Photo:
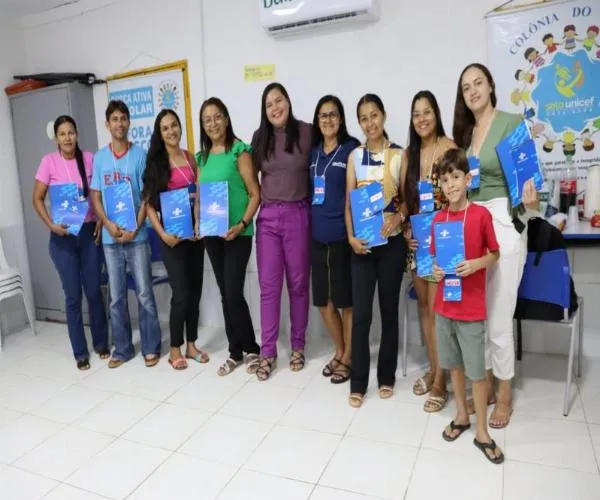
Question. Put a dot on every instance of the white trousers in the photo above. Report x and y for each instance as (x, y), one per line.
(502, 286)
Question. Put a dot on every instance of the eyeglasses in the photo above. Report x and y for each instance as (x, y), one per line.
(209, 120)
(333, 115)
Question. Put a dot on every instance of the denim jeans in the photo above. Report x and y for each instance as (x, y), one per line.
(77, 260)
(135, 258)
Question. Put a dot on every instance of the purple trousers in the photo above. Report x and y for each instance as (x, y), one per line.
(283, 245)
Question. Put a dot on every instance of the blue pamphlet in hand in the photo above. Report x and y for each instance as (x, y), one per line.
(366, 204)
(118, 203)
(449, 245)
(421, 231)
(520, 162)
(452, 291)
(66, 207)
(176, 213)
(474, 167)
(214, 209)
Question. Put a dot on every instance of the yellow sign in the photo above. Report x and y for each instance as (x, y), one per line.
(257, 72)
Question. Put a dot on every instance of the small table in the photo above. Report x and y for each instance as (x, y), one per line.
(582, 234)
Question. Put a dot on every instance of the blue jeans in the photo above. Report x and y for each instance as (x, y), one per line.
(77, 260)
(135, 258)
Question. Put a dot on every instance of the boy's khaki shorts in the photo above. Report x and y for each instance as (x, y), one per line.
(461, 343)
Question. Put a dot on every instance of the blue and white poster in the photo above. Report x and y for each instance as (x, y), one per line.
(214, 209)
(146, 95)
(449, 242)
(119, 207)
(366, 206)
(66, 207)
(176, 213)
(545, 60)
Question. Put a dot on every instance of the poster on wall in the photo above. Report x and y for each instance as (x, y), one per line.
(148, 91)
(546, 63)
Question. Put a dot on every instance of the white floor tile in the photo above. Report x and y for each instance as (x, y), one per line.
(183, 477)
(225, 439)
(438, 472)
(390, 422)
(16, 484)
(261, 401)
(66, 492)
(24, 434)
(118, 470)
(31, 392)
(590, 394)
(248, 485)
(371, 468)
(71, 404)
(8, 416)
(537, 482)
(206, 393)
(116, 415)
(61, 455)
(544, 399)
(167, 426)
(550, 442)
(595, 433)
(324, 493)
(294, 454)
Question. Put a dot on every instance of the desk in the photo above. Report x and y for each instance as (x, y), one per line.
(583, 233)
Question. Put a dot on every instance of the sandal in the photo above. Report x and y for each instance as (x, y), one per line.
(115, 363)
(340, 375)
(471, 404)
(356, 399)
(455, 427)
(201, 357)
(503, 422)
(252, 362)
(421, 386)
(178, 364)
(492, 447)
(329, 368)
(83, 364)
(297, 361)
(151, 360)
(104, 353)
(265, 368)
(433, 404)
(386, 391)
(228, 366)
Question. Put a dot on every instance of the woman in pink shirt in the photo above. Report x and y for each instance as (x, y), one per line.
(74, 250)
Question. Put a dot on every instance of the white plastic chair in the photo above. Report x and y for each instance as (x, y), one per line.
(11, 284)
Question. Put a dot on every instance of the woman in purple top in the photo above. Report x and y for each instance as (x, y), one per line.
(282, 146)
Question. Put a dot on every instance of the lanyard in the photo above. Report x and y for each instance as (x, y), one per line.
(428, 176)
(66, 167)
(126, 163)
(180, 169)
(327, 166)
(464, 217)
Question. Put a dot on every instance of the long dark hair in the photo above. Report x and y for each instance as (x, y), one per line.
(342, 135)
(78, 153)
(205, 141)
(464, 120)
(158, 169)
(263, 141)
(413, 174)
(375, 99)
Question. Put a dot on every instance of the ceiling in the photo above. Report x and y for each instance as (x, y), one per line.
(19, 8)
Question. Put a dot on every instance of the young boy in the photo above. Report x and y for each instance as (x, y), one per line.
(123, 162)
(459, 325)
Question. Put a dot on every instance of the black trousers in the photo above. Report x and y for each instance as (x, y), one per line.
(383, 267)
(229, 260)
(185, 267)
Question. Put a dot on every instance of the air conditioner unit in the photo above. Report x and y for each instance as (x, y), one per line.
(280, 17)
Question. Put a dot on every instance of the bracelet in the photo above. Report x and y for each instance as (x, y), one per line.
(243, 223)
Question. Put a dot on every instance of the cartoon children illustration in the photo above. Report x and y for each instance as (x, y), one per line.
(570, 37)
(590, 39)
(588, 143)
(548, 145)
(534, 57)
(524, 76)
(568, 144)
(551, 45)
(520, 96)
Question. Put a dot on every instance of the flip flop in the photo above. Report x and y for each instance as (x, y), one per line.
(178, 364)
(386, 391)
(356, 399)
(489, 446)
(455, 427)
(502, 425)
(151, 360)
(201, 357)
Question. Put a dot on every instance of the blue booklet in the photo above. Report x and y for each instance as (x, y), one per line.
(66, 206)
(452, 289)
(449, 245)
(421, 231)
(176, 213)
(118, 203)
(366, 205)
(214, 208)
(520, 162)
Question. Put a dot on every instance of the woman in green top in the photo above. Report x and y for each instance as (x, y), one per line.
(478, 128)
(223, 157)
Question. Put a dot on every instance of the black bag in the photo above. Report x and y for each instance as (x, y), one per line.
(543, 237)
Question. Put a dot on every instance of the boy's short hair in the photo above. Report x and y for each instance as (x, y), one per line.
(451, 160)
(117, 105)
(528, 52)
(547, 36)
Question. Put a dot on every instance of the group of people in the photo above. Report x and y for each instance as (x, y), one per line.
(304, 230)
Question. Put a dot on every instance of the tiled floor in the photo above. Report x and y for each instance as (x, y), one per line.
(156, 433)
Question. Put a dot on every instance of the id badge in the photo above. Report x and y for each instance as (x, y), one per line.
(474, 171)
(318, 190)
(425, 197)
(452, 289)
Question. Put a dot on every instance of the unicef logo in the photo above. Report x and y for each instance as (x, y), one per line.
(168, 95)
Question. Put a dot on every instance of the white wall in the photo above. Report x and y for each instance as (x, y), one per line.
(416, 45)
(12, 232)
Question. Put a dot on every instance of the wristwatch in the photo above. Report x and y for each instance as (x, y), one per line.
(243, 223)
